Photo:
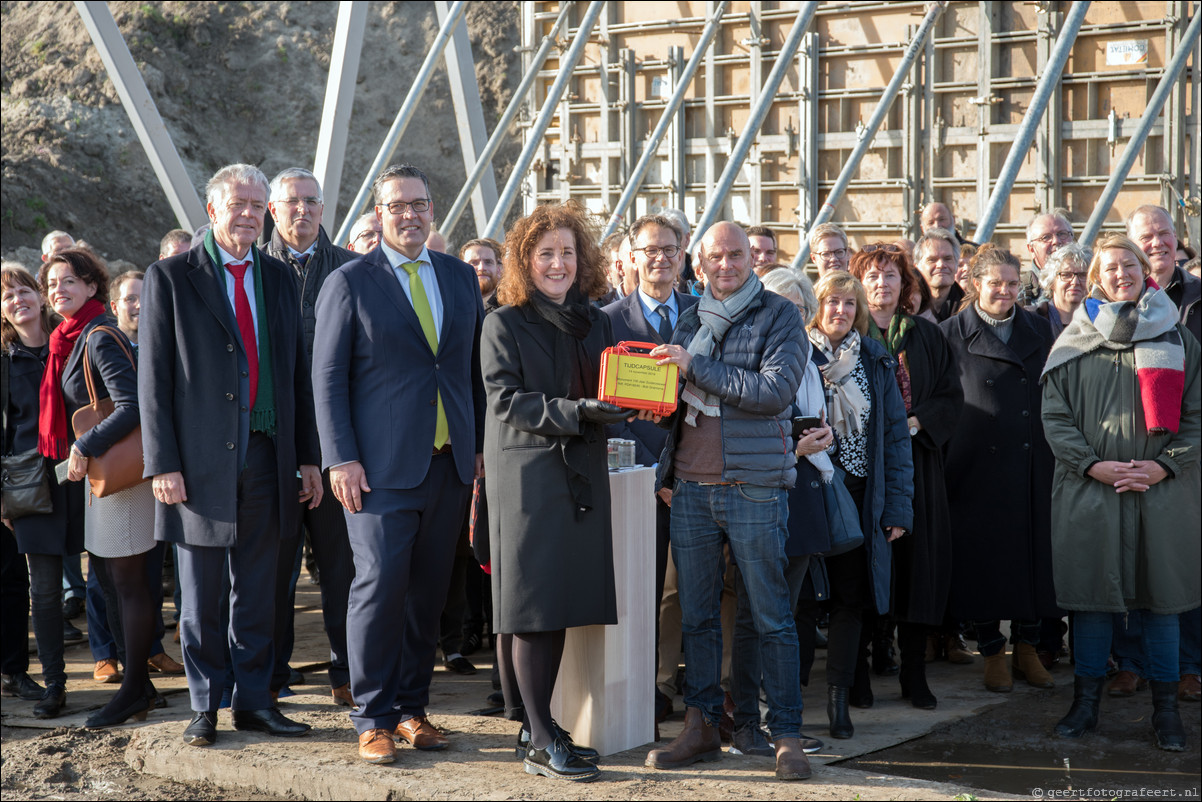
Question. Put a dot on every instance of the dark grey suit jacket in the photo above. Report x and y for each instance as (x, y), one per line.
(192, 390)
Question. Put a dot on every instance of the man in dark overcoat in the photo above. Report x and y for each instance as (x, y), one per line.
(300, 241)
(230, 441)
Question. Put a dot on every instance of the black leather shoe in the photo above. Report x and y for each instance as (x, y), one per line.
(562, 735)
(71, 633)
(269, 720)
(103, 718)
(203, 729)
(73, 608)
(460, 665)
(53, 700)
(559, 762)
(22, 686)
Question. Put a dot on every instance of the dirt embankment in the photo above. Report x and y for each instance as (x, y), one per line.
(234, 82)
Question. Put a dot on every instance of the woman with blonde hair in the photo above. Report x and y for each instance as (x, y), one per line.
(872, 459)
(1122, 412)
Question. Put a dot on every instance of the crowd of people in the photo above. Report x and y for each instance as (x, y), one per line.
(926, 442)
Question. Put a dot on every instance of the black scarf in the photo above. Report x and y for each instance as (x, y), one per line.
(576, 376)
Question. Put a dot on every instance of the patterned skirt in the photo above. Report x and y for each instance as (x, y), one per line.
(120, 525)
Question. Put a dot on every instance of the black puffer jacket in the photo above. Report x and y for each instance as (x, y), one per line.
(756, 378)
(327, 257)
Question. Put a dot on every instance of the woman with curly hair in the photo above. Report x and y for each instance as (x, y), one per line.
(926, 376)
(545, 458)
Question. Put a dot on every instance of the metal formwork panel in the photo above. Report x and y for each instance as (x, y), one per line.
(966, 96)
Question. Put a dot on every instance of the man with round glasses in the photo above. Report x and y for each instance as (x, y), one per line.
(828, 248)
(1046, 233)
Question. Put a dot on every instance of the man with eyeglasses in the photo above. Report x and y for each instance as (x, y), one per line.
(400, 411)
(649, 314)
(299, 241)
(365, 236)
(828, 248)
(1046, 233)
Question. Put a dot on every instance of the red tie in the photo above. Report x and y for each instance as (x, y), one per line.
(246, 324)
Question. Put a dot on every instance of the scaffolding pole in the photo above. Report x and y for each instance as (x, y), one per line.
(1119, 175)
(408, 110)
(665, 120)
(1031, 120)
(139, 105)
(511, 111)
(827, 210)
(340, 97)
(534, 138)
(784, 59)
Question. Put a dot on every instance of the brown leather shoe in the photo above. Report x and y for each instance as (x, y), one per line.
(1026, 665)
(698, 741)
(791, 761)
(342, 696)
(421, 734)
(164, 664)
(1126, 683)
(957, 651)
(1189, 689)
(376, 746)
(107, 671)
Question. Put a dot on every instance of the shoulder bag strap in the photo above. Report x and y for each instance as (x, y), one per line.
(87, 360)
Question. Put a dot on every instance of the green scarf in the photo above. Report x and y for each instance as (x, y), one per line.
(899, 326)
(263, 416)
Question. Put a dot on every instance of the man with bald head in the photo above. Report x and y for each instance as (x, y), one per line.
(939, 215)
(725, 470)
(1152, 229)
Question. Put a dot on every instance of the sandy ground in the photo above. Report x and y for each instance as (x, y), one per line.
(976, 743)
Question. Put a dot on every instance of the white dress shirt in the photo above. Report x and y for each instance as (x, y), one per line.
(428, 278)
(248, 283)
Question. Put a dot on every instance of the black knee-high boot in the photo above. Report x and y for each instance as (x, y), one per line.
(913, 675)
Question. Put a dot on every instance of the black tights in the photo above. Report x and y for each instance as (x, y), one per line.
(536, 659)
(127, 577)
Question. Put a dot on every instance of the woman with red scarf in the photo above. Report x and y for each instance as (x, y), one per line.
(1122, 411)
(119, 528)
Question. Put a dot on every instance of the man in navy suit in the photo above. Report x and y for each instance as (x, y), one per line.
(400, 411)
(227, 429)
(649, 315)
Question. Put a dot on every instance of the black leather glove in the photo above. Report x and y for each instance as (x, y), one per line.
(603, 412)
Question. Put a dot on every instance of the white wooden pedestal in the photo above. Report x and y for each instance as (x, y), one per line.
(607, 680)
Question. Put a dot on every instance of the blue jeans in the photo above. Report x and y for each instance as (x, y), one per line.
(1158, 640)
(1191, 641)
(752, 518)
(746, 670)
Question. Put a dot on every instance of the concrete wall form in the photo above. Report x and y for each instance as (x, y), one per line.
(944, 139)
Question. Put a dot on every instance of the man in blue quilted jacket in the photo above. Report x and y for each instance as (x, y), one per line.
(725, 470)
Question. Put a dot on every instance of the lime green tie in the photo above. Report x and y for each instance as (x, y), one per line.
(421, 305)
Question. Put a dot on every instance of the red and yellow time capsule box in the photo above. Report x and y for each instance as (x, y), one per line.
(634, 381)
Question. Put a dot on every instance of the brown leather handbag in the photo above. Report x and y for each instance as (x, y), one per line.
(121, 467)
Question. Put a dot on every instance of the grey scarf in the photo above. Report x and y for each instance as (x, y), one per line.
(716, 319)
